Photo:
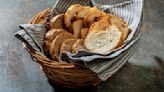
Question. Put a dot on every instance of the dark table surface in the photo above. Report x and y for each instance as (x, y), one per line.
(144, 72)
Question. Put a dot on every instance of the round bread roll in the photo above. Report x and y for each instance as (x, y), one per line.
(56, 44)
(103, 38)
(70, 14)
(57, 22)
(76, 27)
(84, 33)
(49, 37)
(67, 45)
(78, 45)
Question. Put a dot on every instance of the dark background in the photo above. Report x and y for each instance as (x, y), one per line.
(144, 72)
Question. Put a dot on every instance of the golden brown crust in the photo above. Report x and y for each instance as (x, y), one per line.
(78, 45)
(49, 37)
(67, 45)
(98, 26)
(103, 40)
(57, 22)
(83, 12)
(92, 16)
(56, 44)
(84, 33)
(121, 24)
(105, 17)
(70, 14)
(76, 27)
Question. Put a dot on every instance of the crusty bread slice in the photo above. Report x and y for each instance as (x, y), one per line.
(49, 37)
(103, 41)
(121, 24)
(83, 12)
(101, 25)
(106, 16)
(117, 21)
(67, 45)
(84, 32)
(57, 22)
(71, 13)
(76, 27)
(92, 16)
(78, 45)
(56, 44)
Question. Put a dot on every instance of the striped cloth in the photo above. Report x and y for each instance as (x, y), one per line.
(103, 65)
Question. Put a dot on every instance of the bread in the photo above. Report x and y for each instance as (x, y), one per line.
(83, 12)
(78, 45)
(92, 16)
(103, 41)
(49, 37)
(56, 44)
(89, 29)
(84, 32)
(57, 22)
(70, 14)
(121, 24)
(67, 45)
(101, 25)
(105, 17)
(76, 27)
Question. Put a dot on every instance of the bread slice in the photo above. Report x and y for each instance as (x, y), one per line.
(57, 22)
(121, 24)
(56, 44)
(49, 37)
(98, 26)
(83, 12)
(84, 32)
(117, 21)
(103, 41)
(67, 45)
(78, 45)
(92, 16)
(106, 16)
(76, 27)
(70, 14)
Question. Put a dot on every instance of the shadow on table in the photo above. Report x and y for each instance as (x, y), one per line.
(131, 78)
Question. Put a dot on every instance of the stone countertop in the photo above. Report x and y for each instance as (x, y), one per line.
(18, 73)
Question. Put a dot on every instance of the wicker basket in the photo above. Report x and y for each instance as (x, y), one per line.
(67, 75)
